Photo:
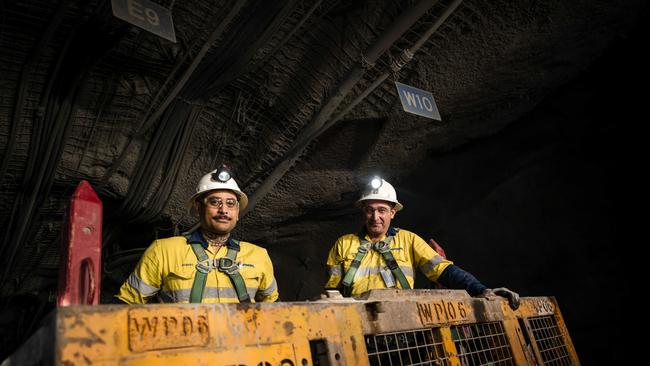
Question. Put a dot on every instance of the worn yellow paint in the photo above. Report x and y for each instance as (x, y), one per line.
(280, 333)
(228, 334)
(448, 344)
(565, 332)
(515, 337)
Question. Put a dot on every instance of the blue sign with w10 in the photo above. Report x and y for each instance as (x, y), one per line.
(417, 101)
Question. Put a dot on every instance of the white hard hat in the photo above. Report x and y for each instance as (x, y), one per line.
(379, 189)
(218, 179)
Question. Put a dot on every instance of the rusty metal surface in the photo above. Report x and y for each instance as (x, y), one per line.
(283, 333)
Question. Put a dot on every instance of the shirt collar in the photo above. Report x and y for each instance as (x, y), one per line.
(391, 232)
(197, 237)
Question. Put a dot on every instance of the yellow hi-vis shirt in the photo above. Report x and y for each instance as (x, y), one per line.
(166, 270)
(410, 252)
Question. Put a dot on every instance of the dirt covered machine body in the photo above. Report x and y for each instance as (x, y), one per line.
(385, 327)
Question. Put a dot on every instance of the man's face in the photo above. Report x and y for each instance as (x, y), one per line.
(378, 215)
(219, 211)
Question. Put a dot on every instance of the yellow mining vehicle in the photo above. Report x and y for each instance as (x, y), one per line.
(381, 327)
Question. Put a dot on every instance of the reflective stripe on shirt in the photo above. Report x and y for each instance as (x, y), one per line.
(336, 270)
(222, 293)
(373, 270)
(429, 265)
(139, 285)
(268, 291)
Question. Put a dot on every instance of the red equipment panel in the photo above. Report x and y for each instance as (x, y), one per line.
(79, 274)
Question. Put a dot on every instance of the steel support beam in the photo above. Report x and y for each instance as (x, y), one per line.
(311, 130)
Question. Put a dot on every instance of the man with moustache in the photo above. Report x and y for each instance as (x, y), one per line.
(208, 265)
(382, 256)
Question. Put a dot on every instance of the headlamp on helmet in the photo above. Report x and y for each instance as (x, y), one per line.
(376, 182)
(222, 174)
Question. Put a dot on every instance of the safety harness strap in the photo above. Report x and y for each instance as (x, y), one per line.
(393, 266)
(354, 266)
(226, 264)
(382, 247)
(201, 275)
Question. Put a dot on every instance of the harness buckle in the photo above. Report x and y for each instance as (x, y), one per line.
(381, 246)
(392, 264)
(363, 248)
(228, 265)
(204, 268)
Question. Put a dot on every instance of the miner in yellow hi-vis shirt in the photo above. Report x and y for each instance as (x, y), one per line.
(381, 256)
(208, 265)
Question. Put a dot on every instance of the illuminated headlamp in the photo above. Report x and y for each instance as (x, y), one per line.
(376, 182)
(222, 174)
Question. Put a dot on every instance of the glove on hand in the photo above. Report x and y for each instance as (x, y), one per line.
(513, 297)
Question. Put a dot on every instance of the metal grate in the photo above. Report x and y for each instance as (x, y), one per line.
(549, 340)
(482, 344)
(418, 347)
